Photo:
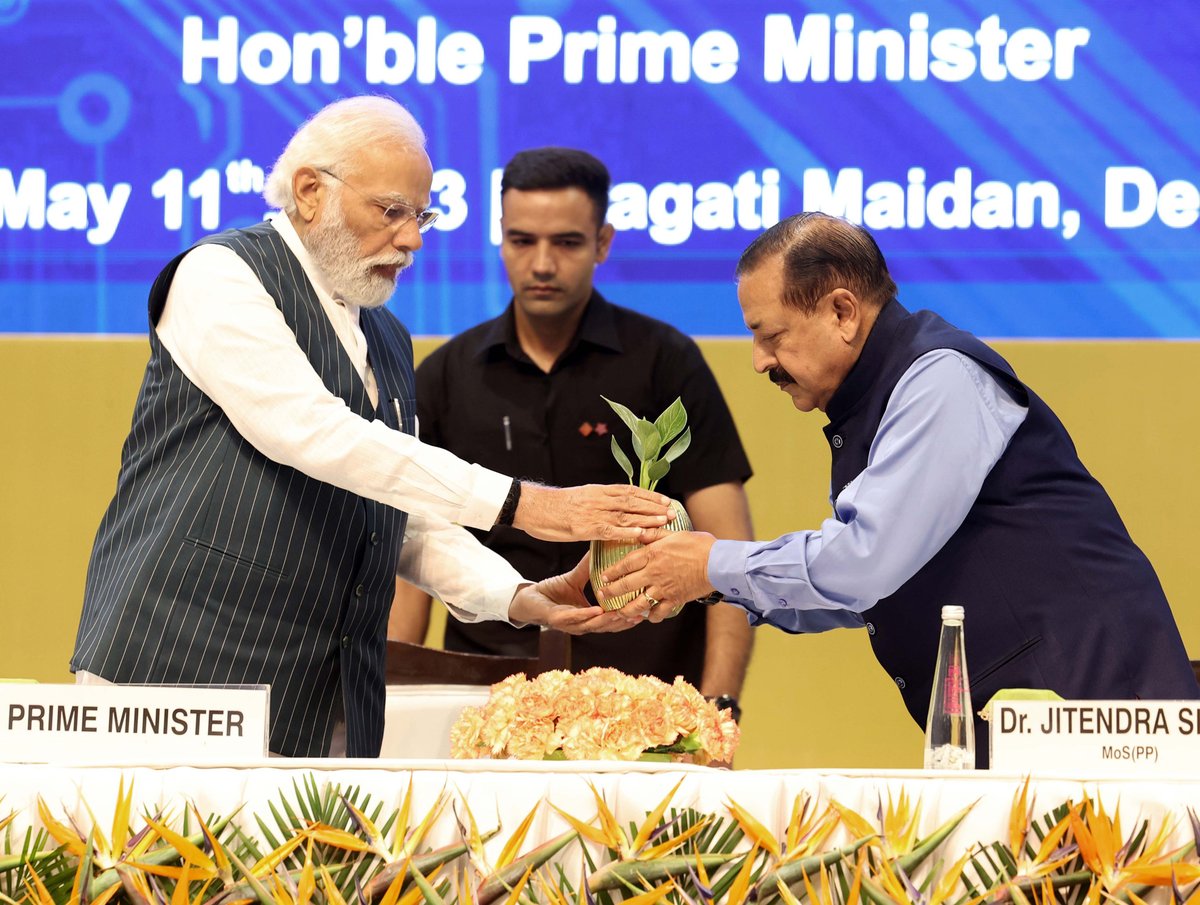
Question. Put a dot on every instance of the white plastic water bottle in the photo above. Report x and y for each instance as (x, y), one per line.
(950, 729)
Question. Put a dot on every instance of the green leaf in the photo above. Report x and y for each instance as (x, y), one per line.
(657, 471)
(910, 862)
(874, 893)
(679, 447)
(627, 416)
(622, 459)
(646, 441)
(687, 744)
(429, 893)
(650, 438)
(272, 840)
(296, 822)
(672, 421)
(505, 879)
(617, 874)
(165, 854)
(426, 863)
(793, 872)
(308, 799)
(86, 894)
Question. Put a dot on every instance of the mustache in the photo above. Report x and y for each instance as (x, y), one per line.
(779, 376)
(401, 259)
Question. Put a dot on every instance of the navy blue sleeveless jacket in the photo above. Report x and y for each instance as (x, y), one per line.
(214, 564)
(1056, 593)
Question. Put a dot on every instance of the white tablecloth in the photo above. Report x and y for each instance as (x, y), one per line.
(417, 718)
(507, 790)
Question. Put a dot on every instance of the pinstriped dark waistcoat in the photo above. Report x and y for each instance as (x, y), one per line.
(214, 564)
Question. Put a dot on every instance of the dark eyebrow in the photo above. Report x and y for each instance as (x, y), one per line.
(522, 234)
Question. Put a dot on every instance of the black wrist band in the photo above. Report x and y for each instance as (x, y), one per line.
(509, 510)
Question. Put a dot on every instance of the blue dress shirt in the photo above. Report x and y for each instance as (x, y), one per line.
(947, 423)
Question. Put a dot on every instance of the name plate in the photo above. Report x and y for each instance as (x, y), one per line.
(132, 724)
(1124, 737)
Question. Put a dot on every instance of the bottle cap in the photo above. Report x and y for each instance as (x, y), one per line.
(952, 613)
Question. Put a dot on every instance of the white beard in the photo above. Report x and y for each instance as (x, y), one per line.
(335, 249)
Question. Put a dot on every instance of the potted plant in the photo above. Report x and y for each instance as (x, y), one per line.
(656, 444)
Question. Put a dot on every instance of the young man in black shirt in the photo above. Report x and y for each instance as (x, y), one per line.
(523, 392)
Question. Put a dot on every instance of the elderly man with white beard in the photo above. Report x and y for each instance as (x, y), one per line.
(272, 487)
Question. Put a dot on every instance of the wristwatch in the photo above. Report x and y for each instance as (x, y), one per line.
(710, 599)
(730, 703)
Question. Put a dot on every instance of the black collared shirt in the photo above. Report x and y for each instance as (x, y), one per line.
(481, 397)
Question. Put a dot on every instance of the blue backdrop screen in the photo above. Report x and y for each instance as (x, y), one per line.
(1030, 169)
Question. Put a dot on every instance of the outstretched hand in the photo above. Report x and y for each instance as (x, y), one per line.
(670, 570)
(559, 602)
(590, 512)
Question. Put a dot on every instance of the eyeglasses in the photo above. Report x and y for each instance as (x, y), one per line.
(395, 214)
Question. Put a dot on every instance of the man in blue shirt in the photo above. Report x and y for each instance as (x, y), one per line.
(952, 483)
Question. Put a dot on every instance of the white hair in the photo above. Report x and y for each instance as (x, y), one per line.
(332, 136)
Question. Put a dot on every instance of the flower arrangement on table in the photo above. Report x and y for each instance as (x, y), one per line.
(598, 714)
(321, 842)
